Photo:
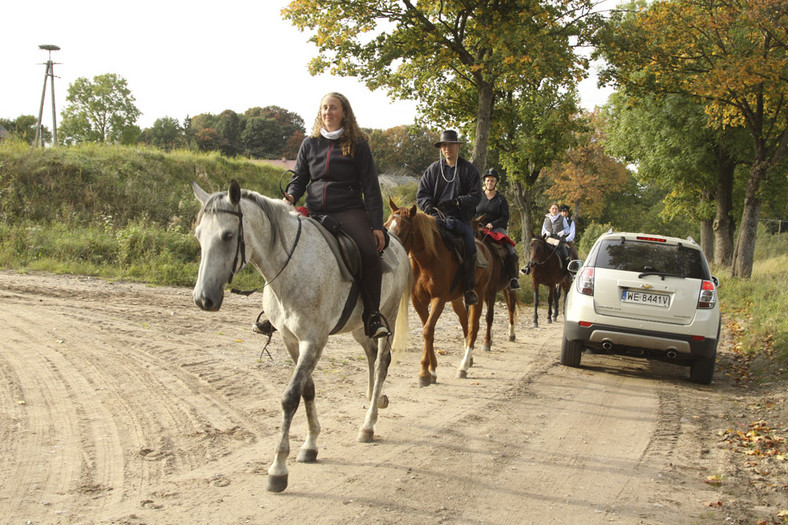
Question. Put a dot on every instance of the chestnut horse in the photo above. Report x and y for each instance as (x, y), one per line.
(435, 270)
(545, 263)
(500, 283)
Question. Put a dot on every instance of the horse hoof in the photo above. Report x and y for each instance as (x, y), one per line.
(277, 483)
(433, 379)
(306, 455)
(365, 436)
(425, 381)
(486, 348)
(383, 401)
(549, 321)
(461, 374)
(512, 338)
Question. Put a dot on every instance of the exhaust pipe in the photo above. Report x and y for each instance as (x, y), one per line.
(607, 345)
(671, 354)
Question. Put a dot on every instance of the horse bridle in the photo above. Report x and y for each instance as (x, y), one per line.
(410, 231)
(240, 249)
(539, 263)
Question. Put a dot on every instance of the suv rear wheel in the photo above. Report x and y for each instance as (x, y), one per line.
(570, 352)
(702, 369)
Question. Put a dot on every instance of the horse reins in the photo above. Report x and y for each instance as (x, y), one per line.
(539, 263)
(240, 250)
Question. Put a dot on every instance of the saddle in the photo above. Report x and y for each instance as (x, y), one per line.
(346, 251)
(456, 245)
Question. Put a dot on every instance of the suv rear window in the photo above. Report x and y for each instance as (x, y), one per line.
(638, 256)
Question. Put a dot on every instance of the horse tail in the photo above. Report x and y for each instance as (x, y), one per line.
(400, 343)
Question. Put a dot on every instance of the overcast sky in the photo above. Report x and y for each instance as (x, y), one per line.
(181, 58)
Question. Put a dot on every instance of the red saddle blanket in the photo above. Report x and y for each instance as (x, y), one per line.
(500, 238)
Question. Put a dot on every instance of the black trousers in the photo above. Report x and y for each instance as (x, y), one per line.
(357, 225)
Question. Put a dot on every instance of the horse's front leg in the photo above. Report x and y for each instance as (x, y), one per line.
(511, 306)
(429, 362)
(376, 399)
(490, 300)
(536, 305)
(474, 316)
(300, 385)
(550, 302)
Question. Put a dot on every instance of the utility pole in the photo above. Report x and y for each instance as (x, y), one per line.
(50, 74)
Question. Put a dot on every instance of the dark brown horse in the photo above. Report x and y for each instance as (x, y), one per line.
(546, 269)
(500, 283)
(438, 280)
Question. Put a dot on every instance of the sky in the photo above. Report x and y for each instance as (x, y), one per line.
(182, 58)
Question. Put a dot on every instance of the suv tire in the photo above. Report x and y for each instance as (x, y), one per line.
(702, 369)
(571, 352)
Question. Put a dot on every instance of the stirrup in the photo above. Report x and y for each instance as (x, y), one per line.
(471, 298)
(263, 327)
(514, 283)
(526, 270)
(376, 328)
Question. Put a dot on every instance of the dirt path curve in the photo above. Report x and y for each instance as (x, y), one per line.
(121, 403)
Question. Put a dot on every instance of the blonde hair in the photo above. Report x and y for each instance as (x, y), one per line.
(352, 134)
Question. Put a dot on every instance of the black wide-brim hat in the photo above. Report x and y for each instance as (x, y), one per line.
(449, 136)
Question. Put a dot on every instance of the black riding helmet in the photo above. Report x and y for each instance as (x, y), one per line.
(563, 207)
(492, 173)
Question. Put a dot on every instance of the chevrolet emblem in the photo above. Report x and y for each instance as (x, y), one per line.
(646, 286)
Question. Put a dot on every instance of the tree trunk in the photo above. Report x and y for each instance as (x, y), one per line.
(522, 198)
(745, 245)
(724, 224)
(707, 237)
(483, 125)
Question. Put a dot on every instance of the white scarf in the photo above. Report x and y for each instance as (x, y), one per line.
(331, 135)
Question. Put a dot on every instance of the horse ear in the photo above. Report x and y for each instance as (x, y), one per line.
(413, 210)
(235, 192)
(200, 193)
(393, 206)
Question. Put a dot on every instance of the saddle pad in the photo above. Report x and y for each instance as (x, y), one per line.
(387, 263)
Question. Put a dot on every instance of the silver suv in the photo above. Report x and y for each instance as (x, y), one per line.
(646, 296)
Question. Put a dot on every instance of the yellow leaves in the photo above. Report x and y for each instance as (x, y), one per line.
(714, 481)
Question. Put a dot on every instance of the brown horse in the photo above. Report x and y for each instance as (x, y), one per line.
(500, 283)
(546, 269)
(438, 280)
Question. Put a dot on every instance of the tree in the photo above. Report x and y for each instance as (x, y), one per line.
(449, 55)
(403, 150)
(732, 55)
(166, 133)
(669, 138)
(586, 174)
(24, 128)
(272, 127)
(100, 111)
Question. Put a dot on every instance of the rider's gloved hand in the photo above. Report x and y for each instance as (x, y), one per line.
(448, 205)
(428, 209)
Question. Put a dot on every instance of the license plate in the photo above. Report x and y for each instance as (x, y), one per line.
(652, 299)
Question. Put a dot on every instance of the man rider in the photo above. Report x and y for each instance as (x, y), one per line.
(452, 186)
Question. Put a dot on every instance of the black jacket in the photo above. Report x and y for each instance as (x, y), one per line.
(334, 182)
(464, 186)
(495, 210)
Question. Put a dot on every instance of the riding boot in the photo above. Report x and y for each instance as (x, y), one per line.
(375, 325)
(470, 280)
(510, 265)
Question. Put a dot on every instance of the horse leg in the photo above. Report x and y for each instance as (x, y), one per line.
(308, 452)
(307, 358)
(376, 401)
(461, 310)
(490, 300)
(557, 298)
(550, 299)
(429, 362)
(536, 304)
(474, 315)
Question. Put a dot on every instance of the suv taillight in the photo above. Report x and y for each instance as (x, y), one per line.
(585, 281)
(708, 295)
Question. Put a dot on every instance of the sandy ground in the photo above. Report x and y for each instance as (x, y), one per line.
(122, 403)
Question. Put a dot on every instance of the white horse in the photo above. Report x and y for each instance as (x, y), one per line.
(304, 297)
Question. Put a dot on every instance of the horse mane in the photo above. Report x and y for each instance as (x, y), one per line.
(277, 212)
(426, 227)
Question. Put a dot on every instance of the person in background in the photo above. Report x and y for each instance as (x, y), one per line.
(570, 238)
(450, 189)
(556, 226)
(335, 169)
(495, 208)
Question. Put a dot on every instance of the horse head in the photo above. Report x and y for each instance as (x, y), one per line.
(222, 249)
(414, 228)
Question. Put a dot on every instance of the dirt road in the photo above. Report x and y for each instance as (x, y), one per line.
(122, 403)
